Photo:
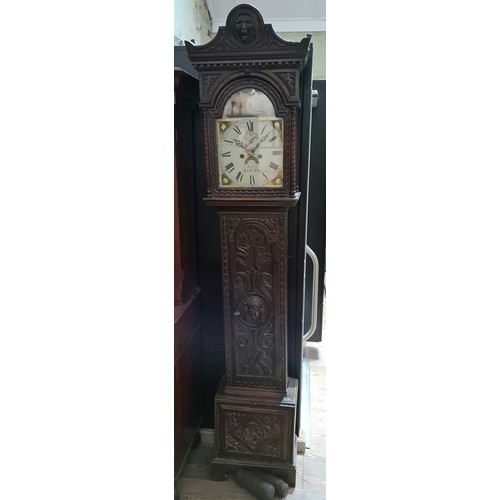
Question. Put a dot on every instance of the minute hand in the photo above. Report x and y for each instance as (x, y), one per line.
(261, 140)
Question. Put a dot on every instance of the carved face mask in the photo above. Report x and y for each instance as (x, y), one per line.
(244, 27)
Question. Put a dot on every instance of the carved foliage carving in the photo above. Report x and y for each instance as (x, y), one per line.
(253, 298)
(254, 259)
(207, 82)
(252, 433)
(289, 79)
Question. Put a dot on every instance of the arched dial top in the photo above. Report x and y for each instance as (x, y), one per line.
(249, 142)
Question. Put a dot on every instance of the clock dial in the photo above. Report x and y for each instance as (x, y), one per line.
(250, 152)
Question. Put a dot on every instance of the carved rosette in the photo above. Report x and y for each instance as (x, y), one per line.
(253, 434)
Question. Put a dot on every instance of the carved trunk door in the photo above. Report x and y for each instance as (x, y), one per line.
(254, 270)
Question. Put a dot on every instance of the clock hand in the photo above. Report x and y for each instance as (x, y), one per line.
(262, 139)
(239, 143)
(265, 137)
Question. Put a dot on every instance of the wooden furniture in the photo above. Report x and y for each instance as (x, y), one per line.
(187, 343)
(250, 88)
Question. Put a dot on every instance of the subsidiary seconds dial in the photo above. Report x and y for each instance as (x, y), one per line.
(250, 152)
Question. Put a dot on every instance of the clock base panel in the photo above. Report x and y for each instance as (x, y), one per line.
(255, 432)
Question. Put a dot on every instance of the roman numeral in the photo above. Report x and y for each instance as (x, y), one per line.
(276, 153)
(267, 178)
(250, 126)
(273, 166)
(239, 176)
(226, 155)
(252, 180)
(273, 138)
(229, 167)
(230, 142)
(238, 131)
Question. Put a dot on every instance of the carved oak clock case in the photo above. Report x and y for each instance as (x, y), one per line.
(250, 99)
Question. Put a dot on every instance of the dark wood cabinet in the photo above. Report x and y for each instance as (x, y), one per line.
(210, 261)
(250, 95)
(187, 341)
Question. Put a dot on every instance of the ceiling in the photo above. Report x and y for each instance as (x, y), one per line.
(284, 15)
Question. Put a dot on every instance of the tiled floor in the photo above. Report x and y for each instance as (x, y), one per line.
(195, 483)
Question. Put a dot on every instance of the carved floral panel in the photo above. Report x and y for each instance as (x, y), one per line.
(254, 299)
(252, 433)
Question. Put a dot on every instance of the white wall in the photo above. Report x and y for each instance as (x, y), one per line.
(318, 38)
(192, 21)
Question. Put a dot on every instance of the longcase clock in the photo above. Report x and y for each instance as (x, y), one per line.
(250, 99)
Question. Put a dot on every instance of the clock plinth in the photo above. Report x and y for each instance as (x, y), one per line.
(255, 429)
